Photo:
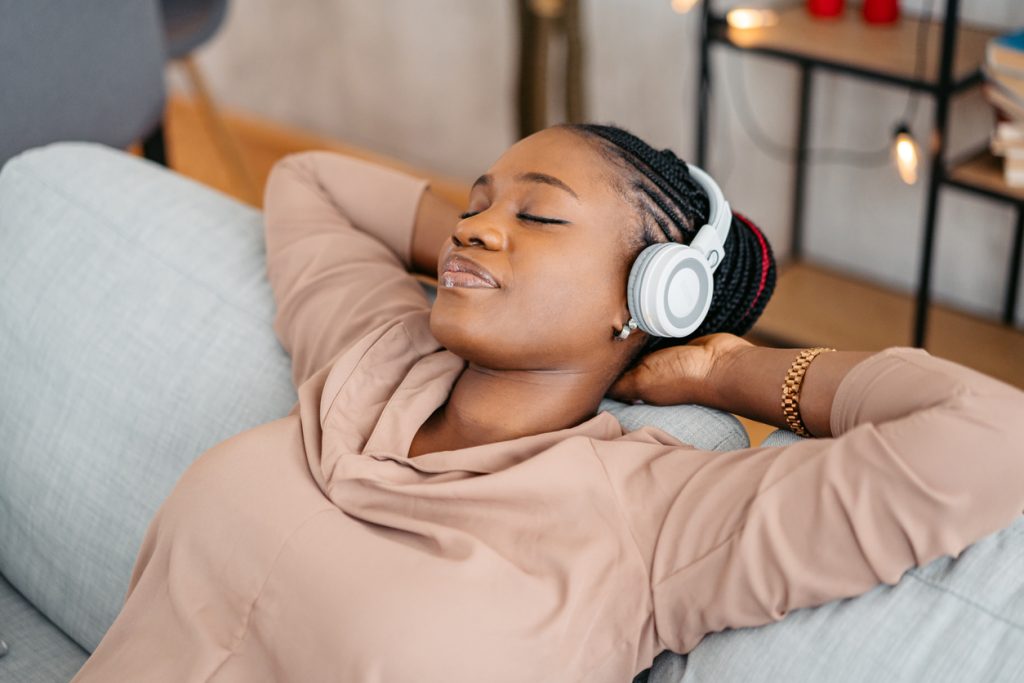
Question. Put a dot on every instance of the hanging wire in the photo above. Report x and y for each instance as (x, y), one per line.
(919, 60)
(725, 149)
(829, 155)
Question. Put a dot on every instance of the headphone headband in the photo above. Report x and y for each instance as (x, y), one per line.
(719, 212)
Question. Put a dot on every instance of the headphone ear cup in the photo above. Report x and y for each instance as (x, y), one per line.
(634, 286)
(670, 289)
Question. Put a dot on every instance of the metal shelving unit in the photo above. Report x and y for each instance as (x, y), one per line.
(885, 54)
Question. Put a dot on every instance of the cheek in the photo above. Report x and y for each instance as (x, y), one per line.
(552, 315)
(565, 298)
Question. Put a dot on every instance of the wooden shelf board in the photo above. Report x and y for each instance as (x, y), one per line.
(813, 306)
(985, 172)
(887, 49)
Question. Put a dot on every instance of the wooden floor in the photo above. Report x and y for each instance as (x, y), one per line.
(811, 306)
(192, 150)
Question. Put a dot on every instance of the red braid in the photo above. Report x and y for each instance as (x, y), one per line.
(765, 261)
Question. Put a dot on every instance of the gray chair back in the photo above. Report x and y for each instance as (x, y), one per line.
(190, 23)
(79, 71)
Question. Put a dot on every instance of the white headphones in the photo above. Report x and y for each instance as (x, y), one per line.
(670, 285)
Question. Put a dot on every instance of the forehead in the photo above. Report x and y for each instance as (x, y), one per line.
(562, 154)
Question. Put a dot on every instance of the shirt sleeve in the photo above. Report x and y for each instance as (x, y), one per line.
(926, 460)
(338, 234)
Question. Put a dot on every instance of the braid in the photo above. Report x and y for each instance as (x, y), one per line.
(671, 206)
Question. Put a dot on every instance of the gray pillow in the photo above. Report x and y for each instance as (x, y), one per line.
(699, 426)
(953, 620)
(135, 333)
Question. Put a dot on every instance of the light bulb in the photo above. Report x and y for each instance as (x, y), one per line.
(683, 6)
(906, 154)
(547, 9)
(746, 18)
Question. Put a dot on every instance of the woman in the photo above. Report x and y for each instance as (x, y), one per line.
(443, 504)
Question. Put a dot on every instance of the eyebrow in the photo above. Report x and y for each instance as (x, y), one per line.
(532, 177)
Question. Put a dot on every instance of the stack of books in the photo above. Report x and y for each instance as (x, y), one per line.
(1004, 88)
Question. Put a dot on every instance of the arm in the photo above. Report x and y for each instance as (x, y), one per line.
(341, 234)
(926, 460)
(726, 372)
(435, 221)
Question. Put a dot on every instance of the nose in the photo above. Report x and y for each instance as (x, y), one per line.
(480, 231)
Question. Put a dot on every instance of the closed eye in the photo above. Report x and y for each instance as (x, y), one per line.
(540, 219)
(523, 217)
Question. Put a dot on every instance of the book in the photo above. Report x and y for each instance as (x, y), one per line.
(1011, 108)
(1002, 149)
(1013, 170)
(1005, 130)
(1010, 85)
(1006, 53)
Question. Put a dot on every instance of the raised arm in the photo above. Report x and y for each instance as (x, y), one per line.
(341, 234)
(926, 460)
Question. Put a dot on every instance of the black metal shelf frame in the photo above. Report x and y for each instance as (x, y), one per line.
(714, 30)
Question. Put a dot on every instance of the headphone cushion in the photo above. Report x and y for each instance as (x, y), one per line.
(634, 285)
(670, 289)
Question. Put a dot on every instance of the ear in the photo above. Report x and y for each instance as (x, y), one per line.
(631, 346)
(622, 331)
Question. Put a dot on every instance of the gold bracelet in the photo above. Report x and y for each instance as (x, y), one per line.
(791, 389)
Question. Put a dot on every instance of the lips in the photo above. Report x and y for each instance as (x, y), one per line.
(460, 271)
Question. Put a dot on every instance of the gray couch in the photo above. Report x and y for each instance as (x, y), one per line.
(135, 333)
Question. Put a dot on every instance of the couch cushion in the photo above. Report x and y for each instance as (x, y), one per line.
(954, 619)
(38, 651)
(699, 426)
(135, 333)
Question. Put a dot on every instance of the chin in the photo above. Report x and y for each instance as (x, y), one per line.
(497, 343)
(463, 334)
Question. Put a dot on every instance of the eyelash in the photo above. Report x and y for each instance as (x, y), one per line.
(522, 216)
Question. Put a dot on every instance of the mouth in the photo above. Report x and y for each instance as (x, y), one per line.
(459, 271)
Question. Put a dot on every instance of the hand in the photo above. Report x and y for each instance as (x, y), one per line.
(678, 374)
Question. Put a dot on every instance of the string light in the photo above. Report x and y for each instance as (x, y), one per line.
(906, 153)
(746, 18)
(683, 6)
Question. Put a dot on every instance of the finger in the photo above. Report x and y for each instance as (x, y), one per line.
(702, 341)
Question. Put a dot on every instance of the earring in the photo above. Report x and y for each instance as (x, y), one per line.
(626, 329)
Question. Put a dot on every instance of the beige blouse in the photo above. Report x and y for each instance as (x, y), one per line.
(313, 548)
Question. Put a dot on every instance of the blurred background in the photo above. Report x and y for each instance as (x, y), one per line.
(439, 86)
(820, 119)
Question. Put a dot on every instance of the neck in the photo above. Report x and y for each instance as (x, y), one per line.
(486, 406)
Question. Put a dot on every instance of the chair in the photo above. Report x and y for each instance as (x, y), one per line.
(188, 24)
(79, 71)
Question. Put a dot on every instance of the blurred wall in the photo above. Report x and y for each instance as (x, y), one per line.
(433, 83)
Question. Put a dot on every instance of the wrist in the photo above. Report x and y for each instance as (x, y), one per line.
(726, 370)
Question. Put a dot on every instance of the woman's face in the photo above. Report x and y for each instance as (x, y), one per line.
(549, 234)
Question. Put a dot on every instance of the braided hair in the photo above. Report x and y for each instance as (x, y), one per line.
(671, 207)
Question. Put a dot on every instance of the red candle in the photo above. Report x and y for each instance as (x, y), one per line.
(881, 11)
(825, 8)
